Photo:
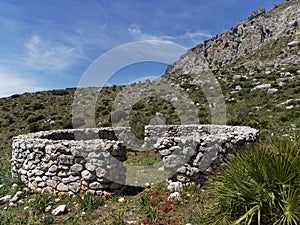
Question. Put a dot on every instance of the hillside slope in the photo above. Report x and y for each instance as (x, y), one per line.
(256, 63)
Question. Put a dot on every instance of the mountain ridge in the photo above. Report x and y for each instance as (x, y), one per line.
(243, 38)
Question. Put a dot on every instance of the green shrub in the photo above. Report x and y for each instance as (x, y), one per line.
(59, 92)
(38, 105)
(291, 70)
(258, 186)
(15, 96)
(106, 124)
(106, 112)
(70, 123)
(138, 106)
(67, 123)
(34, 127)
(35, 118)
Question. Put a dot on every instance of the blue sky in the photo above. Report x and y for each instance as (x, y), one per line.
(49, 44)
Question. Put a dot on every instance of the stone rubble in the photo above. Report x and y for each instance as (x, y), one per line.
(17, 196)
(121, 200)
(175, 195)
(5, 199)
(293, 43)
(60, 210)
(175, 186)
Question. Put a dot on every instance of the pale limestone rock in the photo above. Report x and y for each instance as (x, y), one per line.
(62, 187)
(87, 175)
(60, 210)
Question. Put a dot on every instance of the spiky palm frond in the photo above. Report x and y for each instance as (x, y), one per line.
(259, 186)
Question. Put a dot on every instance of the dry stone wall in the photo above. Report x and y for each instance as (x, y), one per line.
(191, 152)
(91, 160)
(71, 160)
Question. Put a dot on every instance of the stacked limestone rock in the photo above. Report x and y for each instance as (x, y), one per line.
(53, 161)
(91, 160)
(191, 152)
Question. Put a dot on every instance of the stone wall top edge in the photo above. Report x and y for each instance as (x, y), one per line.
(201, 125)
(43, 134)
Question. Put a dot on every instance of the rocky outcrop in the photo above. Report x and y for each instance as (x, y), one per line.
(244, 38)
(257, 13)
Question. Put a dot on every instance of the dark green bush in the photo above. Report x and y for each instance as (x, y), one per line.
(35, 118)
(291, 70)
(70, 123)
(67, 123)
(138, 106)
(34, 127)
(15, 96)
(38, 105)
(106, 124)
(60, 92)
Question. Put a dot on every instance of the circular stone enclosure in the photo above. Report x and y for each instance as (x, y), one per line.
(91, 160)
(73, 161)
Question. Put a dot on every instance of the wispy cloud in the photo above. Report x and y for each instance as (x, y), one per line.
(13, 83)
(44, 55)
(196, 37)
(135, 30)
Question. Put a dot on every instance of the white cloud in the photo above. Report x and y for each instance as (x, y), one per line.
(45, 55)
(12, 83)
(135, 30)
(195, 37)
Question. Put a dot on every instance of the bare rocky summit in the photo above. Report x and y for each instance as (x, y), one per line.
(261, 29)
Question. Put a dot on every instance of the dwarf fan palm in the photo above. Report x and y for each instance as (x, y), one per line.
(258, 186)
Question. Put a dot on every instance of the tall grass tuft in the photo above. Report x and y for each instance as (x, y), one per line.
(90, 202)
(258, 186)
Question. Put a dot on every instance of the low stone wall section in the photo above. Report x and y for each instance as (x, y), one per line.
(191, 152)
(71, 160)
